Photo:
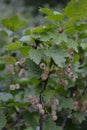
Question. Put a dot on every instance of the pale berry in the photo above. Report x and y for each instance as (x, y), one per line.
(22, 60)
(54, 117)
(44, 76)
(43, 66)
(22, 71)
(12, 87)
(39, 106)
(41, 111)
(17, 86)
(56, 102)
(10, 69)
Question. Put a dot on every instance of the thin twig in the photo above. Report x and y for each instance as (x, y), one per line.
(64, 122)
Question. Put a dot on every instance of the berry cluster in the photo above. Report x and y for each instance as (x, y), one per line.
(71, 52)
(62, 82)
(14, 86)
(35, 103)
(54, 109)
(46, 71)
(69, 73)
(20, 69)
(76, 106)
(53, 103)
(84, 106)
(80, 106)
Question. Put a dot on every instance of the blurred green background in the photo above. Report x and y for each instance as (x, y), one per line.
(29, 9)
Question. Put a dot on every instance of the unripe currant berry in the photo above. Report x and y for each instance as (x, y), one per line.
(73, 79)
(17, 63)
(56, 101)
(53, 113)
(76, 103)
(70, 74)
(46, 71)
(76, 106)
(20, 74)
(17, 86)
(65, 82)
(44, 76)
(71, 51)
(12, 87)
(10, 69)
(71, 58)
(84, 103)
(41, 111)
(30, 98)
(54, 107)
(43, 66)
(54, 117)
(22, 60)
(83, 109)
(69, 65)
(39, 106)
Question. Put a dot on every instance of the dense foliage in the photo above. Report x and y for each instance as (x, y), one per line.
(43, 71)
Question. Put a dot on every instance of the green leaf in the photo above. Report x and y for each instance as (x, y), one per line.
(31, 119)
(84, 97)
(52, 15)
(72, 44)
(76, 58)
(8, 59)
(79, 116)
(33, 69)
(83, 46)
(36, 55)
(2, 120)
(30, 128)
(82, 26)
(13, 23)
(75, 10)
(24, 50)
(57, 54)
(2, 66)
(65, 103)
(51, 125)
(5, 96)
(62, 37)
(13, 46)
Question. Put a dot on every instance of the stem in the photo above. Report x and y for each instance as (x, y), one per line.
(64, 122)
(41, 122)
